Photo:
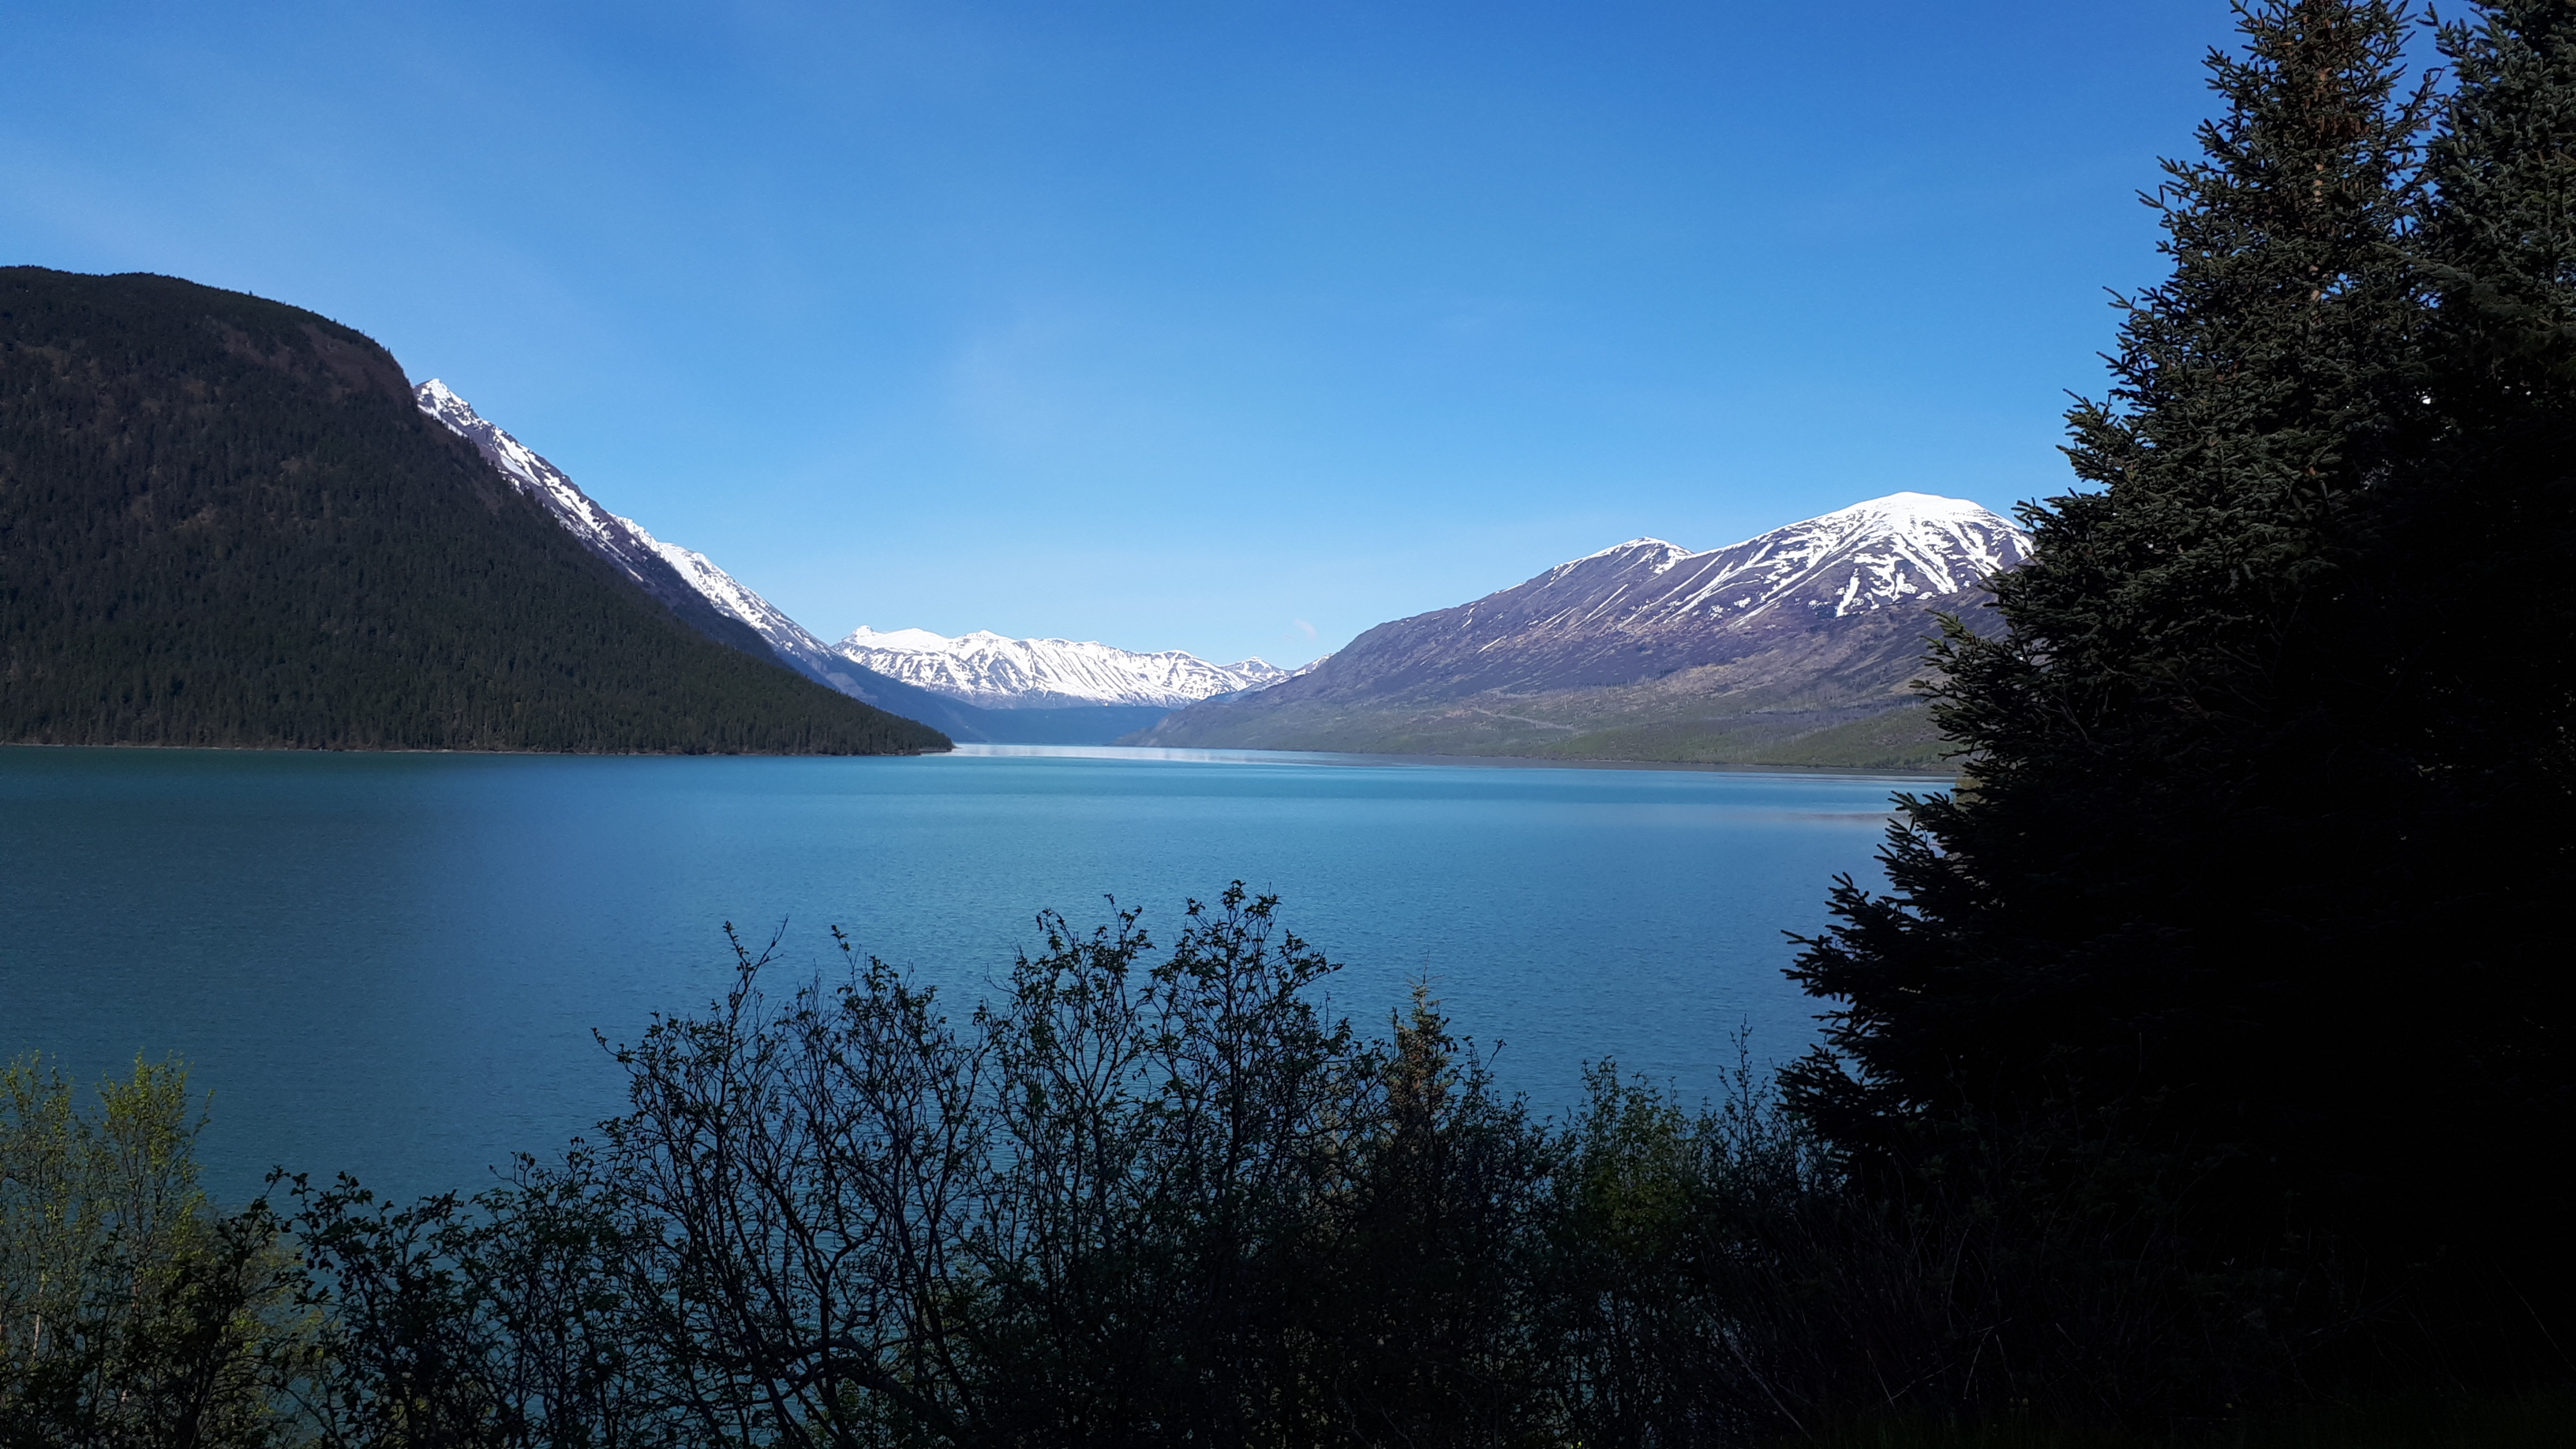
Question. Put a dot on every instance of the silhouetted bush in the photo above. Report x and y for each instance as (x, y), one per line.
(1146, 1195)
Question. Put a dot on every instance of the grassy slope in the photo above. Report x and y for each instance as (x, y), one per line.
(1835, 697)
(1685, 718)
(223, 522)
(1900, 737)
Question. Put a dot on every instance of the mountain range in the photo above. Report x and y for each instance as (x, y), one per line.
(979, 687)
(228, 521)
(1796, 647)
(985, 668)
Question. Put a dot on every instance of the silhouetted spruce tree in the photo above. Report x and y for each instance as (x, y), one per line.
(2492, 488)
(2149, 904)
(2475, 630)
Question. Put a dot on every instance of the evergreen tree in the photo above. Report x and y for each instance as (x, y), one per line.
(2499, 247)
(2252, 876)
(2480, 716)
(2150, 901)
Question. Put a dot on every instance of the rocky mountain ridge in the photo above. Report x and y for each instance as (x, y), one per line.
(1794, 647)
(1648, 650)
(1057, 690)
(684, 581)
(987, 669)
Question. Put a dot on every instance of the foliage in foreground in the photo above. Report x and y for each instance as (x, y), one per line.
(1148, 1195)
(2144, 1109)
(131, 1311)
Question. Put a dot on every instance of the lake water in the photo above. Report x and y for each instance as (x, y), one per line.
(393, 964)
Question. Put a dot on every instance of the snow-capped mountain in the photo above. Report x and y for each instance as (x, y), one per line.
(983, 668)
(1905, 546)
(615, 539)
(791, 640)
(1064, 692)
(1648, 607)
(681, 577)
(1826, 614)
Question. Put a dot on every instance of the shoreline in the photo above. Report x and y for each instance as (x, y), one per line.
(973, 750)
(511, 754)
(1186, 754)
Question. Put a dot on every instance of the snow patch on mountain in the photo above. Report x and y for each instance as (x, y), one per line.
(981, 668)
(1903, 548)
(908, 640)
(984, 668)
(785, 636)
(616, 539)
(1883, 551)
(651, 562)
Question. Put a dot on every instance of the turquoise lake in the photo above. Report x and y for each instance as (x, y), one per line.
(393, 964)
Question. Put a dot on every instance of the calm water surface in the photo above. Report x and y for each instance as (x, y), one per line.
(393, 964)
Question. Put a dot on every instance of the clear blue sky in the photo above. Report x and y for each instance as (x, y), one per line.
(1174, 325)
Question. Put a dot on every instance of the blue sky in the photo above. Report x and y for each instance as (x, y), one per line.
(1230, 327)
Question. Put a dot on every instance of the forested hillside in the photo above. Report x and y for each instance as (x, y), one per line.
(224, 522)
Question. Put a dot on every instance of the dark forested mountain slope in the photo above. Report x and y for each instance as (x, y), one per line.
(1797, 647)
(223, 521)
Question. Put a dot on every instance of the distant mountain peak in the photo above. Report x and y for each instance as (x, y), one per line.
(1634, 545)
(1657, 554)
(907, 640)
(1927, 507)
(984, 668)
(1873, 554)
